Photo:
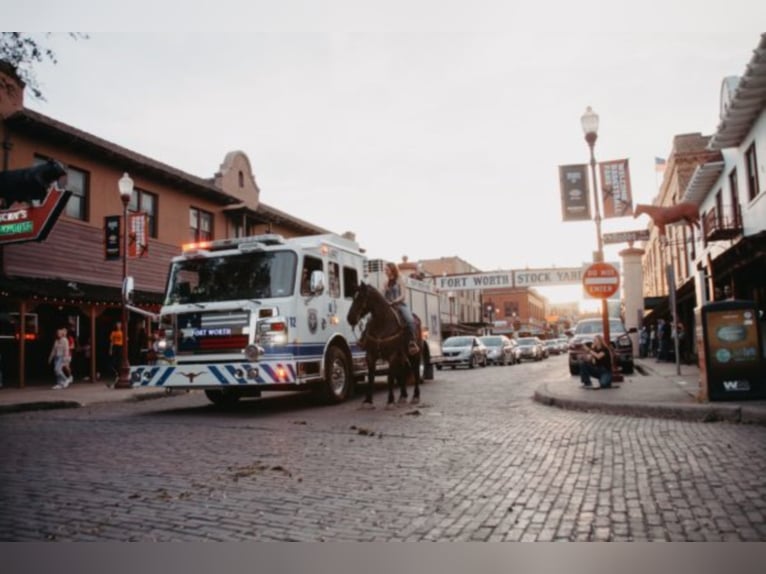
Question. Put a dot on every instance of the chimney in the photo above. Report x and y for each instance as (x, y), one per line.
(11, 90)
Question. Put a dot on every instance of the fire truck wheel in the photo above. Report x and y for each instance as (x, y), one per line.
(337, 384)
(221, 398)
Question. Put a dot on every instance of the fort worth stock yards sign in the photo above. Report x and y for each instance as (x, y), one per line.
(513, 278)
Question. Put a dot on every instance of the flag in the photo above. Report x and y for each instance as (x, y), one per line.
(659, 164)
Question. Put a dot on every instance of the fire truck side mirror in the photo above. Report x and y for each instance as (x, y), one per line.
(316, 283)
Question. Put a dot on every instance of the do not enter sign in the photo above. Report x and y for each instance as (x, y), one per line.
(601, 280)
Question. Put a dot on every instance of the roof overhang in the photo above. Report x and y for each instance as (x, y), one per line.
(38, 125)
(745, 105)
(702, 181)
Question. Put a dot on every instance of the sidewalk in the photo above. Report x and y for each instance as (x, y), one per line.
(660, 393)
(653, 390)
(39, 396)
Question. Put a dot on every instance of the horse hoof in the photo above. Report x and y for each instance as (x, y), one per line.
(415, 400)
(365, 406)
(390, 406)
(402, 400)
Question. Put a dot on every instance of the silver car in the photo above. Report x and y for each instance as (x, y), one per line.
(463, 350)
(531, 348)
(500, 349)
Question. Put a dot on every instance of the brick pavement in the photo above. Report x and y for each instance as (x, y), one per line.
(478, 460)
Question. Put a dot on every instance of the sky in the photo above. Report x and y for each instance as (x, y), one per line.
(429, 128)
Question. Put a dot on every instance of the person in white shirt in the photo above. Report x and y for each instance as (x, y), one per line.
(60, 358)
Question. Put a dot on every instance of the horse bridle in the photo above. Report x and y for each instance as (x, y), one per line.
(379, 341)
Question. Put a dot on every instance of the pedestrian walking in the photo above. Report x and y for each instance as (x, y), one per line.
(115, 348)
(59, 357)
(663, 341)
(653, 341)
(643, 342)
(67, 368)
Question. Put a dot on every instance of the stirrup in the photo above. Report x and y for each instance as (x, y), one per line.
(413, 348)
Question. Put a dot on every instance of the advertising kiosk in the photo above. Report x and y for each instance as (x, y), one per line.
(733, 354)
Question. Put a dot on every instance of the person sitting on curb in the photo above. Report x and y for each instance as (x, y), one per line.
(597, 363)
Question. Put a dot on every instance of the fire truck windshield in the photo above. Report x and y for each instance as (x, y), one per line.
(254, 275)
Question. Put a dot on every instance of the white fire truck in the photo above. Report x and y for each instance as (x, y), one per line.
(259, 313)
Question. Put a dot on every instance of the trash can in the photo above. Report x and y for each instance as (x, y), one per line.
(734, 362)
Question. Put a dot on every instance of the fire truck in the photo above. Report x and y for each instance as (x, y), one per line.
(251, 314)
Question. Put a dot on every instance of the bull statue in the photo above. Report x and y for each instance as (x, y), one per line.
(30, 183)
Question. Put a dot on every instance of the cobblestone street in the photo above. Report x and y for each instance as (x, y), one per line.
(476, 460)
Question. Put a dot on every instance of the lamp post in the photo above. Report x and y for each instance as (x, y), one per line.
(125, 186)
(491, 315)
(451, 297)
(589, 121)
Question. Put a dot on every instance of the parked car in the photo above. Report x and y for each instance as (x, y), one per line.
(553, 346)
(500, 349)
(463, 350)
(563, 344)
(531, 348)
(621, 344)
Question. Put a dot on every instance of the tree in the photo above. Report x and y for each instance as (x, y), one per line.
(22, 52)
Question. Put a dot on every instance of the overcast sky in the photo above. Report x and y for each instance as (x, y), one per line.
(429, 128)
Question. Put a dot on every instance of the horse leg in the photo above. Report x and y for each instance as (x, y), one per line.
(415, 366)
(370, 380)
(403, 376)
(394, 374)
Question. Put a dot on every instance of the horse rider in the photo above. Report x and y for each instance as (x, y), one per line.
(395, 293)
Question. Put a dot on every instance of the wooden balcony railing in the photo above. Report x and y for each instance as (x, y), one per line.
(727, 225)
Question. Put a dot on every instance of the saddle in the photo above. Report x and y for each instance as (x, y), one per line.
(412, 345)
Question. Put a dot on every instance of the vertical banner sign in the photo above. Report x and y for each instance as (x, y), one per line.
(112, 237)
(138, 245)
(575, 205)
(615, 188)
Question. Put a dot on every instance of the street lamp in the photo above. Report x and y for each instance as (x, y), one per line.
(451, 297)
(491, 315)
(125, 186)
(589, 121)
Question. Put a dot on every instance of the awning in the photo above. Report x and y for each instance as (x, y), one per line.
(742, 108)
(72, 292)
(702, 181)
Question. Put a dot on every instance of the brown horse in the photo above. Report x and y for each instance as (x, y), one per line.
(662, 216)
(386, 336)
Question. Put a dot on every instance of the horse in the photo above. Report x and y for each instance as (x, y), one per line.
(386, 336)
(662, 216)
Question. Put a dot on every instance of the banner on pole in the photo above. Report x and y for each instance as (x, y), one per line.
(615, 188)
(112, 237)
(575, 205)
(138, 244)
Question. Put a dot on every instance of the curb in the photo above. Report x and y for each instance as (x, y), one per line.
(38, 406)
(73, 404)
(694, 413)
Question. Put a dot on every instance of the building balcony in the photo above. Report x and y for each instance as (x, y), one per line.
(721, 227)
